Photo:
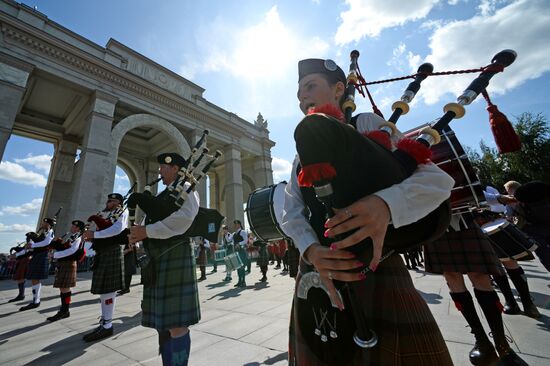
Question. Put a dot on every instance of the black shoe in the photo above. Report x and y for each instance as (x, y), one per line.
(408, 267)
(32, 305)
(483, 354)
(531, 311)
(263, 279)
(18, 298)
(98, 333)
(60, 315)
(238, 284)
(510, 358)
(227, 279)
(122, 292)
(415, 268)
(214, 271)
(202, 278)
(243, 284)
(511, 309)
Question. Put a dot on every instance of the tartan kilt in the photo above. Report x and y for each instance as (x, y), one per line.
(21, 268)
(173, 301)
(39, 266)
(462, 251)
(65, 274)
(407, 332)
(108, 276)
(263, 257)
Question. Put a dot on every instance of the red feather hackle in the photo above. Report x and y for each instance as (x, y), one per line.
(313, 173)
(380, 137)
(328, 109)
(418, 151)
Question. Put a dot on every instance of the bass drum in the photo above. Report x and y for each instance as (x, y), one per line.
(264, 210)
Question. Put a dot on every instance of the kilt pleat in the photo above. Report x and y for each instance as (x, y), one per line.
(407, 332)
(21, 267)
(65, 274)
(108, 276)
(173, 301)
(462, 251)
(38, 266)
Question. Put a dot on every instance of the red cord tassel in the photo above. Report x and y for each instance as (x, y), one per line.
(328, 109)
(310, 174)
(420, 152)
(380, 137)
(505, 136)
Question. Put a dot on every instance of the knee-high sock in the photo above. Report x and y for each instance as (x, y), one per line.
(465, 304)
(36, 292)
(181, 347)
(520, 282)
(165, 347)
(492, 308)
(504, 286)
(21, 286)
(65, 301)
(107, 308)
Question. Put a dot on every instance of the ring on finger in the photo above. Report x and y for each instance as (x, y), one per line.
(346, 211)
(330, 275)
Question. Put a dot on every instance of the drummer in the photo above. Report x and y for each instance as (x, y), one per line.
(496, 202)
(465, 250)
(227, 244)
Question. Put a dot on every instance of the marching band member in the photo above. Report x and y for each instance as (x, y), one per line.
(39, 265)
(108, 272)
(407, 332)
(65, 274)
(499, 203)
(22, 259)
(170, 296)
(227, 242)
(129, 267)
(202, 258)
(240, 240)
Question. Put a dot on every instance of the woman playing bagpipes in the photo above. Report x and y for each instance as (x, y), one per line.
(398, 319)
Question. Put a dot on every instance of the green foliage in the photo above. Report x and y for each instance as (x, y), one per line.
(532, 162)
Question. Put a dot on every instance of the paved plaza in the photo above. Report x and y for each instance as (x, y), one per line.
(238, 327)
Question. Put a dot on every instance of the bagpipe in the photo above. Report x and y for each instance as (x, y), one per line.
(34, 237)
(339, 166)
(207, 223)
(60, 244)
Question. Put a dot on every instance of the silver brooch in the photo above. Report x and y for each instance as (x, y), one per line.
(330, 65)
(168, 160)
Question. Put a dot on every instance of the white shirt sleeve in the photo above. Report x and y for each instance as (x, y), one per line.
(71, 250)
(419, 194)
(178, 222)
(48, 237)
(115, 229)
(295, 223)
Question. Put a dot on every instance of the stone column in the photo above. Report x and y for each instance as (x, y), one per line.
(13, 82)
(95, 171)
(263, 175)
(233, 186)
(60, 186)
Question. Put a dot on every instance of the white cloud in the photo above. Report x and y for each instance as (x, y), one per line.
(25, 209)
(16, 173)
(281, 169)
(259, 57)
(122, 177)
(523, 26)
(40, 162)
(16, 228)
(367, 18)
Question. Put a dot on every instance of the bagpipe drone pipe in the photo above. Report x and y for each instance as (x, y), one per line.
(339, 166)
(207, 223)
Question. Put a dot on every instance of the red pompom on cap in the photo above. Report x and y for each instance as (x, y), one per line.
(328, 109)
(418, 151)
(314, 173)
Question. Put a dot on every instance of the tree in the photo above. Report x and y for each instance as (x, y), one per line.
(532, 162)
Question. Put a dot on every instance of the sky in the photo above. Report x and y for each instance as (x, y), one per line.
(245, 53)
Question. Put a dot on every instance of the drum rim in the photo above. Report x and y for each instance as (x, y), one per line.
(271, 187)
